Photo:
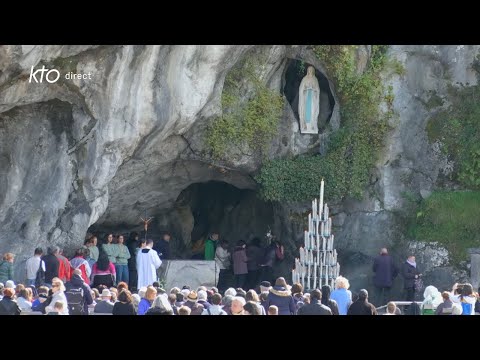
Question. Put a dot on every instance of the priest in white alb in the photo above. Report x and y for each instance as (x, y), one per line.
(148, 262)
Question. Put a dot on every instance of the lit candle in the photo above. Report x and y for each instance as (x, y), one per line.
(321, 199)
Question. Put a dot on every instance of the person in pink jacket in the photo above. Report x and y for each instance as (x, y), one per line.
(240, 269)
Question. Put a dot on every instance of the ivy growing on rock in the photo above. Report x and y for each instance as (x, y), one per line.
(251, 113)
(354, 149)
(457, 129)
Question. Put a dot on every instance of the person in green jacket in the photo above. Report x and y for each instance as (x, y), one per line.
(210, 246)
(111, 249)
(121, 266)
(6, 268)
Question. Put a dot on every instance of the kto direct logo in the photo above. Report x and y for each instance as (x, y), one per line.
(51, 75)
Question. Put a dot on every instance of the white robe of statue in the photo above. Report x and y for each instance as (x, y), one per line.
(148, 262)
(309, 103)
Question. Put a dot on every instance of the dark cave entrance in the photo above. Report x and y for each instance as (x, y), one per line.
(236, 214)
(294, 73)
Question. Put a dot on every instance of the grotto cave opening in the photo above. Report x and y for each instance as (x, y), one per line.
(201, 208)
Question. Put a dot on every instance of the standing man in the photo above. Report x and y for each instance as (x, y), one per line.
(210, 246)
(33, 265)
(385, 272)
(163, 247)
(147, 264)
(52, 265)
(410, 274)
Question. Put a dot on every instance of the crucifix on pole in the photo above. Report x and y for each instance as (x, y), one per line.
(146, 221)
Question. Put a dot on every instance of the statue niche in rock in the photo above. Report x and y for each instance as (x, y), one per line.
(309, 103)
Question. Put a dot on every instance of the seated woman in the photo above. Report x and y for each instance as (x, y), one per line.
(23, 300)
(103, 272)
(160, 306)
(58, 295)
(432, 298)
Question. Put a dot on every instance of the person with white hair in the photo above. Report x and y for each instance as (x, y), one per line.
(160, 306)
(432, 298)
(231, 292)
(238, 303)
(58, 295)
(342, 295)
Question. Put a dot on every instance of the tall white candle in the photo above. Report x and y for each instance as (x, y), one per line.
(309, 222)
(302, 255)
(332, 240)
(322, 228)
(320, 209)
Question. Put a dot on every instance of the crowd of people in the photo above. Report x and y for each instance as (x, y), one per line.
(121, 279)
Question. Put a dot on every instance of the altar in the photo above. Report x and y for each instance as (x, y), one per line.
(194, 273)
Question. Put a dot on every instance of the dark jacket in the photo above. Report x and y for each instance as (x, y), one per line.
(281, 298)
(77, 282)
(104, 307)
(269, 257)
(314, 308)
(123, 309)
(158, 311)
(52, 265)
(332, 304)
(409, 272)
(385, 271)
(9, 307)
(362, 307)
(445, 308)
(205, 304)
(163, 248)
(196, 308)
(6, 271)
(255, 257)
(132, 246)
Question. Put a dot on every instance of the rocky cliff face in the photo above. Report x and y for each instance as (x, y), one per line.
(105, 150)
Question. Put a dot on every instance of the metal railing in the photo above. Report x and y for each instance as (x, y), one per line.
(383, 308)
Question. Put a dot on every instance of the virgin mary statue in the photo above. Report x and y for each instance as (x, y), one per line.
(309, 103)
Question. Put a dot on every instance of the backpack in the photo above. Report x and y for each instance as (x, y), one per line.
(75, 301)
(40, 277)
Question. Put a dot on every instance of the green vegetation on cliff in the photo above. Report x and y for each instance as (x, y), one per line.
(457, 129)
(354, 149)
(251, 112)
(451, 218)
